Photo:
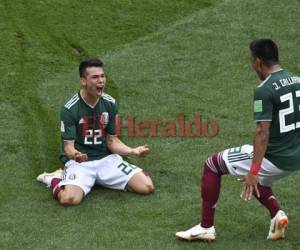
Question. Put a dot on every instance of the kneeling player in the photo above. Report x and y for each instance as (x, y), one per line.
(90, 149)
(276, 150)
(236, 162)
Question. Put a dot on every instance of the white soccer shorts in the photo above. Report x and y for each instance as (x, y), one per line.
(111, 172)
(238, 161)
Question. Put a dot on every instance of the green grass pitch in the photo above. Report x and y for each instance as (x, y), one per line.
(162, 58)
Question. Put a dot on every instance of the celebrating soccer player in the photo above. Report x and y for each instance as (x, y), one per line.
(276, 146)
(90, 149)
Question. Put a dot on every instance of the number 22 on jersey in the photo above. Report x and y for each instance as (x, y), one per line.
(93, 136)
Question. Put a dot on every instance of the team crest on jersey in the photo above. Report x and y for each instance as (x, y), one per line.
(104, 118)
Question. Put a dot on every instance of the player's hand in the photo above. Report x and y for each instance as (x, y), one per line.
(250, 186)
(80, 157)
(141, 151)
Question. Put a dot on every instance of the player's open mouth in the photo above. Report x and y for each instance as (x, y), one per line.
(99, 89)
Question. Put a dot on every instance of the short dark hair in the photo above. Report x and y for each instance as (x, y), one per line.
(92, 62)
(266, 50)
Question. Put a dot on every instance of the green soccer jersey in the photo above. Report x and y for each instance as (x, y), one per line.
(87, 126)
(277, 99)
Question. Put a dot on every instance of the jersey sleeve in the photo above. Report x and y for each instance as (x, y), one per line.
(263, 105)
(111, 126)
(68, 125)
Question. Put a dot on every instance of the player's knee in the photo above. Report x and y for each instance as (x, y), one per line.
(207, 162)
(69, 200)
(75, 201)
(147, 188)
(150, 188)
(140, 183)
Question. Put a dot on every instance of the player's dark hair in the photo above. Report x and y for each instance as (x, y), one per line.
(92, 62)
(266, 50)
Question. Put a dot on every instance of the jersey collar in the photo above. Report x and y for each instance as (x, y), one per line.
(87, 103)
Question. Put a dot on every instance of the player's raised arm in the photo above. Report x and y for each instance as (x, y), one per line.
(116, 146)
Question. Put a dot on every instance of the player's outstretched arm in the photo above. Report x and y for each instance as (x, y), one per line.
(116, 146)
(72, 153)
